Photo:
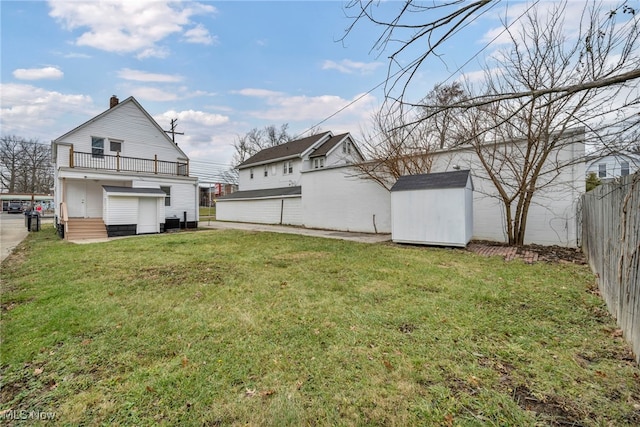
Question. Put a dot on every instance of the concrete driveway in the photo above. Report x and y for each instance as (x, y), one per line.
(344, 235)
(13, 231)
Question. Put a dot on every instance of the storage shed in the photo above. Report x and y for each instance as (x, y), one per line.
(433, 209)
(128, 211)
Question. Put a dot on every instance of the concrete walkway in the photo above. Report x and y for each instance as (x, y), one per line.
(329, 234)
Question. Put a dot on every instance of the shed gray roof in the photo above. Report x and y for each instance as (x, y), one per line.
(432, 181)
(289, 149)
(132, 190)
(269, 192)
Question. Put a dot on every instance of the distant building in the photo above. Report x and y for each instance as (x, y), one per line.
(612, 166)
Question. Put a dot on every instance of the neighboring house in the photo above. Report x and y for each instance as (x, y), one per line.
(270, 182)
(120, 174)
(336, 196)
(610, 166)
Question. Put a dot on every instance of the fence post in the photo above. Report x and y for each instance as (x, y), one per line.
(118, 161)
(155, 164)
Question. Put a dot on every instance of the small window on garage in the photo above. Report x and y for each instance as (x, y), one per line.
(167, 197)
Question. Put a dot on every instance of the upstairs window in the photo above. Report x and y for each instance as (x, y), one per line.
(266, 171)
(318, 162)
(167, 197)
(346, 148)
(287, 168)
(602, 170)
(115, 146)
(97, 147)
(624, 168)
(251, 173)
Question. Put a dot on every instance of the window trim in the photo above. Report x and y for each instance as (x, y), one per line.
(97, 152)
(115, 141)
(167, 192)
(624, 168)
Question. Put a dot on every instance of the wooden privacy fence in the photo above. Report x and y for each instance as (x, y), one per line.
(611, 242)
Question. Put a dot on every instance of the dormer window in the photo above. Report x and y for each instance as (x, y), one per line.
(318, 162)
(346, 148)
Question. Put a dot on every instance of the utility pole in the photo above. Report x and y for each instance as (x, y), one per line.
(174, 124)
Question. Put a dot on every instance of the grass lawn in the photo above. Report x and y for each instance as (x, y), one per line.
(241, 328)
(207, 213)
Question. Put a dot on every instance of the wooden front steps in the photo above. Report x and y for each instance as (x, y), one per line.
(86, 228)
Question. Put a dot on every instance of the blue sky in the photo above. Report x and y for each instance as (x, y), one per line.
(220, 68)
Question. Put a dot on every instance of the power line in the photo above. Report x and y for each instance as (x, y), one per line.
(413, 63)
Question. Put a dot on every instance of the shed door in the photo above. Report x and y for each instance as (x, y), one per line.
(148, 215)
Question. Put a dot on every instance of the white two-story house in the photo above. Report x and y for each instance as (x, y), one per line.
(120, 174)
(270, 182)
(609, 166)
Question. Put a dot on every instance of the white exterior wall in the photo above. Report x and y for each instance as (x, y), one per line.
(275, 179)
(433, 217)
(261, 211)
(552, 218)
(124, 210)
(335, 199)
(130, 125)
(613, 163)
(184, 196)
(120, 210)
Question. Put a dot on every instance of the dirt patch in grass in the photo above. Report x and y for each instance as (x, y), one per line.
(550, 254)
(549, 409)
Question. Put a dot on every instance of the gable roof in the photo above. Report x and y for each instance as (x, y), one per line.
(327, 146)
(433, 181)
(132, 100)
(283, 151)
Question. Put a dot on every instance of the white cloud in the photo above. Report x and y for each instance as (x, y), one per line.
(195, 117)
(349, 67)
(126, 26)
(143, 76)
(49, 73)
(200, 35)
(258, 93)
(152, 94)
(33, 112)
(285, 109)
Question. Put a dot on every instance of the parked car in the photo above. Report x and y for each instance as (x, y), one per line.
(14, 208)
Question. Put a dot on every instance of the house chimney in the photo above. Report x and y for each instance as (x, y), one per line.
(113, 101)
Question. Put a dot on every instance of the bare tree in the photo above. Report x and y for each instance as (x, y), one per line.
(395, 149)
(426, 27)
(259, 139)
(25, 165)
(539, 126)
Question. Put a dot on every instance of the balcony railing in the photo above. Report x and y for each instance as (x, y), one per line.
(78, 159)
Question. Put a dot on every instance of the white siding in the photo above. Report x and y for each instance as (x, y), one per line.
(120, 210)
(129, 124)
(552, 218)
(184, 196)
(613, 165)
(262, 211)
(277, 180)
(435, 217)
(336, 199)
